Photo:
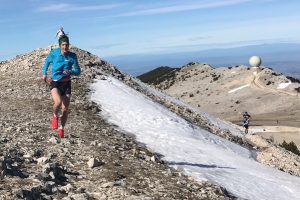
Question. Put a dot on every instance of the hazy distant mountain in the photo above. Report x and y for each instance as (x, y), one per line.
(283, 57)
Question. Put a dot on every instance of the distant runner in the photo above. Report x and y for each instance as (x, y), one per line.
(64, 65)
(246, 121)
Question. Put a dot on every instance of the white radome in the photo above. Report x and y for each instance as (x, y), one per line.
(255, 61)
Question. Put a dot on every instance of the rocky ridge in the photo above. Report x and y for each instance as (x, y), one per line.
(275, 156)
(94, 161)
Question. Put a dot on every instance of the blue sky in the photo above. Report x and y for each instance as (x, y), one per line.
(114, 28)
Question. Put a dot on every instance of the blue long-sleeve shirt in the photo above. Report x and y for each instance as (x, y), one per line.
(60, 63)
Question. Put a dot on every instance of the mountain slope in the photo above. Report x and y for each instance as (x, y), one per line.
(35, 164)
(188, 79)
(196, 151)
(228, 92)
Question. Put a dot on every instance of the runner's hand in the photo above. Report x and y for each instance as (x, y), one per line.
(66, 72)
(44, 78)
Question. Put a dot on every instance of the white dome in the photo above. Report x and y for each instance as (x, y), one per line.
(255, 61)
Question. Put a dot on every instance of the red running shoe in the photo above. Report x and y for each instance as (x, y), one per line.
(54, 123)
(61, 133)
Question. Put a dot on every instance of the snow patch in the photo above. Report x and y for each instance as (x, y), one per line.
(234, 129)
(239, 88)
(258, 130)
(283, 85)
(199, 153)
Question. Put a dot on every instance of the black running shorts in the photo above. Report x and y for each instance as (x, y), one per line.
(63, 87)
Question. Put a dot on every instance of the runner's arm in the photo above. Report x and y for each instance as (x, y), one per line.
(76, 71)
(48, 61)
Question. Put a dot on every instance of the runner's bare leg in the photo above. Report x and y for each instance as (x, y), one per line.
(65, 109)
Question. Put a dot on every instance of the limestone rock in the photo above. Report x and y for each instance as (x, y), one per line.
(94, 162)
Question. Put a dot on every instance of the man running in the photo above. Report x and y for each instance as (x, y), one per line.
(246, 124)
(64, 65)
(246, 121)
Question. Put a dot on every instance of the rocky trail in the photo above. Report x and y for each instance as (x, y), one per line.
(94, 161)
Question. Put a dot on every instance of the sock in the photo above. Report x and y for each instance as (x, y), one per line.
(61, 127)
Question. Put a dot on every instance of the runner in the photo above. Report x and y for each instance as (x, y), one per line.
(246, 124)
(64, 65)
(246, 121)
